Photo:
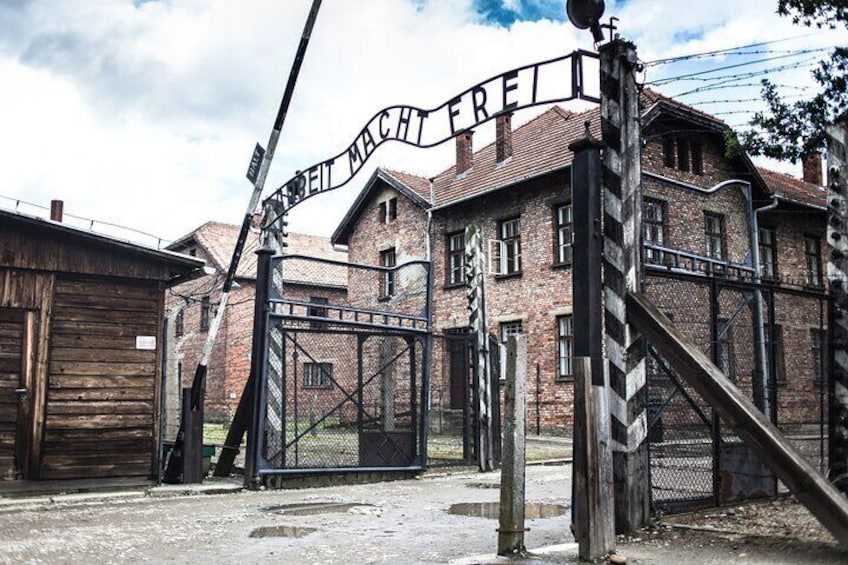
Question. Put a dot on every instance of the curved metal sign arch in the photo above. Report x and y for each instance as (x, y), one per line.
(556, 80)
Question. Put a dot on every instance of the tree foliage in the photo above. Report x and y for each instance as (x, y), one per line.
(821, 13)
(790, 131)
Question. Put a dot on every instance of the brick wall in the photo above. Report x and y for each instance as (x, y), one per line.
(542, 291)
(229, 364)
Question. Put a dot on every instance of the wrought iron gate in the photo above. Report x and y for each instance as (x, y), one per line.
(696, 459)
(346, 380)
(454, 406)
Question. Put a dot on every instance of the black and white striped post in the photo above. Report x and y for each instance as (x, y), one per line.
(475, 277)
(622, 216)
(837, 273)
(592, 500)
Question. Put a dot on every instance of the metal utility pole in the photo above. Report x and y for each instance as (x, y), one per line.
(257, 173)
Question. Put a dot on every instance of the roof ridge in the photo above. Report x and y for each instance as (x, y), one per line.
(392, 171)
(793, 178)
(555, 109)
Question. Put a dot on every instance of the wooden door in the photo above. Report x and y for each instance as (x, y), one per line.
(15, 342)
(458, 371)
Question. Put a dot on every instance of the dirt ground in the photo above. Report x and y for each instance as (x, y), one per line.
(407, 521)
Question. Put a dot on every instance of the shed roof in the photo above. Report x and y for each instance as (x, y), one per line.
(184, 266)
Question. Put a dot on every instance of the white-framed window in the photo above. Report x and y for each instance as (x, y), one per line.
(317, 375)
(507, 329)
(714, 235)
(387, 278)
(653, 226)
(505, 252)
(455, 258)
(768, 253)
(564, 233)
(565, 346)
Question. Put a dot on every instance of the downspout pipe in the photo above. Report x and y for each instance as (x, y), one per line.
(769, 408)
(761, 368)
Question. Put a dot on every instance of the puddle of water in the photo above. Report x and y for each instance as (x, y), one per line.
(484, 485)
(311, 508)
(532, 510)
(281, 532)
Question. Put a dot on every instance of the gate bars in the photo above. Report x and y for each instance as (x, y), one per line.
(342, 383)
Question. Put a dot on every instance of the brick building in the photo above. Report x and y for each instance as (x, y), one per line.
(190, 308)
(705, 209)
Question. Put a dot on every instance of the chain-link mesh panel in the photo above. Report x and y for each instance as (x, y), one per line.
(800, 385)
(680, 422)
(772, 344)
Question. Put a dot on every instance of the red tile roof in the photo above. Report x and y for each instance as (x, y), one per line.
(794, 189)
(541, 146)
(649, 97)
(538, 147)
(419, 185)
(219, 240)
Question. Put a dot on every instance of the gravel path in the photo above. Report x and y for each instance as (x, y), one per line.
(402, 522)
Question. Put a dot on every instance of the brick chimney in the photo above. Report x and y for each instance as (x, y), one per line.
(812, 167)
(464, 151)
(503, 136)
(56, 209)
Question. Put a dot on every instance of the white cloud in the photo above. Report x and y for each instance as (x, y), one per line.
(147, 116)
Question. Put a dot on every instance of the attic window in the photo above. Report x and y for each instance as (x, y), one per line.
(683, 154)
(697, 158)
(192, 251)
(388, 211)
(392, 212)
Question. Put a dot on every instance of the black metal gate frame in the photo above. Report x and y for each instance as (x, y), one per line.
(280, 310)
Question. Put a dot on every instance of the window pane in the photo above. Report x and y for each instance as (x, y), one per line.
(563, 234)
(683, 155)
(668, 151)
(387, 286)
(697, 158)
(565, 343)
(813, 261)
(768, 253)
(510, 231)
(456, 258)
(714, 231)
(510, 328)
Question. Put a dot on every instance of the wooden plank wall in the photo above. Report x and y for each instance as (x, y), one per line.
(102, 390)
(31, 292)
(11, 364)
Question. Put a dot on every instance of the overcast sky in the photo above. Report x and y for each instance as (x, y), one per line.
(144, 113)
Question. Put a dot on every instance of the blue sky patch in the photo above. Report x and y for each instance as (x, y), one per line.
(507, 12)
